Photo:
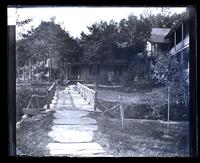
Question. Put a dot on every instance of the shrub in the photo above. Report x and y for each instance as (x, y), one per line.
(176, 112)
(22, 100)
(155, 111)
(23, 97)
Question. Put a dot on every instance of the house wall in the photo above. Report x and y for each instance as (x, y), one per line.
(179, 38)
(103, 72)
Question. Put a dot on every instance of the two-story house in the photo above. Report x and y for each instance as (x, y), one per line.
(172, 42)
(163, 41)
(109, 69)
(179, 41)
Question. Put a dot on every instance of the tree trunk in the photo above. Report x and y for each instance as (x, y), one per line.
(50, 72)
(43, 68)
(66, 74)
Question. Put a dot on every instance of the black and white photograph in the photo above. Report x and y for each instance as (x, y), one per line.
(102, 81)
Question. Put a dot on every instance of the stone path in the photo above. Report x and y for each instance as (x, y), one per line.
(72, 129)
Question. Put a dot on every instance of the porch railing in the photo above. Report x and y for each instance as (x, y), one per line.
(88, 94)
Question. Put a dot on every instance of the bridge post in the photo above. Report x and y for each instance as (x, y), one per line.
(121, 111)
(95, 97)
(95, 101)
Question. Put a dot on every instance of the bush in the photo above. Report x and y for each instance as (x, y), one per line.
(22, 100)
(176, 112)
(23, 97)
(140, 111)
(147, 111)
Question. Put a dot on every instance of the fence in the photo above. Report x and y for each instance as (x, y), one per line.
(88, 94)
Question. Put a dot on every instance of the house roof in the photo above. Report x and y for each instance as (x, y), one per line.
(185, 17)
(158, 35)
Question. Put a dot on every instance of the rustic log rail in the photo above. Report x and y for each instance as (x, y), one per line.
(88, 94)
(50, 93)
(34, 96)
(109, 109)
(32, 110)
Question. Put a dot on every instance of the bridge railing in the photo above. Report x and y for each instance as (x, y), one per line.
(88, 94)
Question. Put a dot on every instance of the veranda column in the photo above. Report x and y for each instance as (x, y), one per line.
(175, 39)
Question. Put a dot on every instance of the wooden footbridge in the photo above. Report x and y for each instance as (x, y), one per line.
(73, 130)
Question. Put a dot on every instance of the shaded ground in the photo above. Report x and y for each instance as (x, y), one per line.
(142, 138)
(143, 104)
(137, 97)
(32, 137)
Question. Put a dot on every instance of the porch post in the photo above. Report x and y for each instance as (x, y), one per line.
(182, 32)
(182, 42)
(175, 39)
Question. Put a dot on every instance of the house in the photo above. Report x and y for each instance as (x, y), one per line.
(157, 44)
(163, 41)
(179, 41)
(108, 69)
(51, 67)
(173, 42)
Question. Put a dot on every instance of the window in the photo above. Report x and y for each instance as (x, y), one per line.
(117, 56)
(185, 29)
(178, 35)
(171, 40)
(92, 70)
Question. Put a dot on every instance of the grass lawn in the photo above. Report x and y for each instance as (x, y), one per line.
(142, 138)
(32, 136)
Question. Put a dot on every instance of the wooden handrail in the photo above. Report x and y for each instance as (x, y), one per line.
(79, 84)
(89, 95)
(51, 87)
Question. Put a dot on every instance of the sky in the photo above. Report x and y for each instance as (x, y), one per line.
(76, 19)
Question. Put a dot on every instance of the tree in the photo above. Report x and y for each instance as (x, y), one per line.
(163, 19)
(49, 40)
(99, 42)
(168, 70)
